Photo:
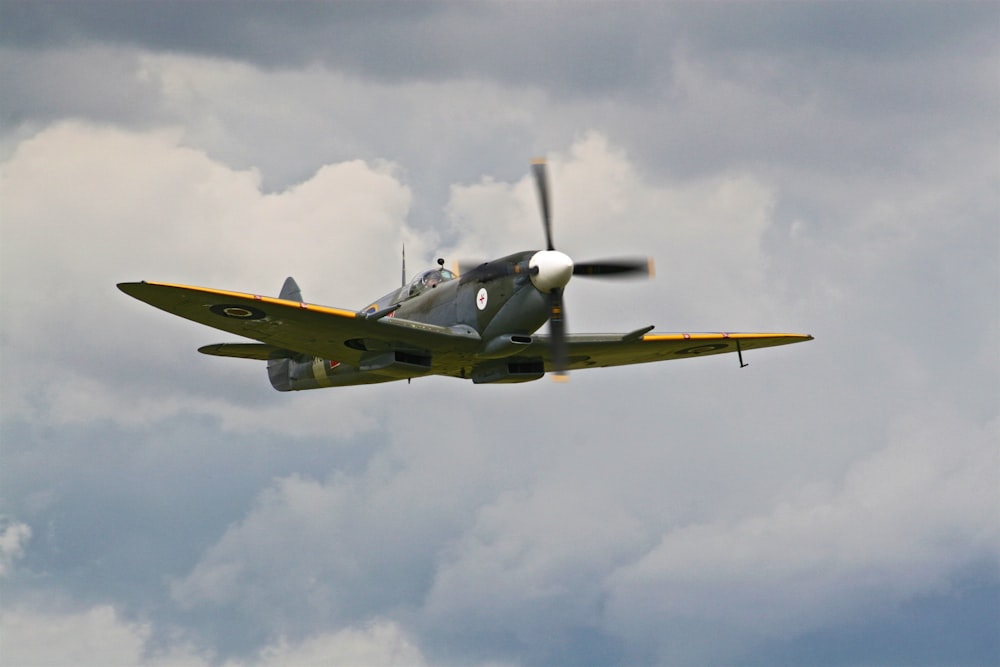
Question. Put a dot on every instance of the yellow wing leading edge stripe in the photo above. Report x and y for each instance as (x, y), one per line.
(696, 344)
(306, 328)
(340, 312)
(720, 336)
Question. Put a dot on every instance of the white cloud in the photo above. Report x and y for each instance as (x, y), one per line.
(13, 538)
(320, 552)
(529, 568)
(705, 236)
(445, 525)
(101, 636)
(905, 522)
(380, 643)
(158, 210)
(86, 207)
(151, 205)
(96, 636)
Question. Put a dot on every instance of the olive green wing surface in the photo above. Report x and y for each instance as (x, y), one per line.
(640, 347)
(290, 326)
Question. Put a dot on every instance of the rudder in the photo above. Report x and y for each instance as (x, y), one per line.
(290, 290)
(279, 370)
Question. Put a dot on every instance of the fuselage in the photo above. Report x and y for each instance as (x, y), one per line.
(491, 304)
(497, 300)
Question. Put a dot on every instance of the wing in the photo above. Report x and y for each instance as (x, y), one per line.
(258, 351)
(291, 327)
(640, 347)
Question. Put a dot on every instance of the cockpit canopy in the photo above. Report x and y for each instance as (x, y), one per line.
(421, 283)
(429, 279)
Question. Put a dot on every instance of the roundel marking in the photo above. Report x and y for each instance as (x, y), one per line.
(482, 298)
(702, 349)
(238, 312)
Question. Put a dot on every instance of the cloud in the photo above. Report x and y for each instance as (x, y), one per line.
(598, 549)
(159, 210)
(152, 209)
(379, 643)
(314, 553)
(705, 235)
(176, 207)
(101, 636)
(783, 175)
(911, 520)
(96, 636)
(13, 538)
(446, 550)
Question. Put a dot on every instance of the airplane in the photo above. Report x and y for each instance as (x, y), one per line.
(479, 323)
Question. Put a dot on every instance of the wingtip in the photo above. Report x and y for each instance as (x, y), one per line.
(128, 286)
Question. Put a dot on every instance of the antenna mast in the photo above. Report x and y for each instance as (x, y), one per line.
(404, 265)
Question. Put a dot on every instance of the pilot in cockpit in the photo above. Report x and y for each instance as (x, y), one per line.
(430, 279)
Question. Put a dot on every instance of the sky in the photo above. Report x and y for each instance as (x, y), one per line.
(823, 168)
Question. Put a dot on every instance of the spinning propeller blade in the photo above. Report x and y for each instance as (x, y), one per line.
(542, 181)
(641, 267)
(557, 317)
(559, 268)
(557, 327)
(550, 271)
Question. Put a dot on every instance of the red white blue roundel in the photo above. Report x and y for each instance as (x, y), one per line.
(482, 298)
(238, 312)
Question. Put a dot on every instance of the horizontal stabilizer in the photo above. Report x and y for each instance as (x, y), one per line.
(258, 351)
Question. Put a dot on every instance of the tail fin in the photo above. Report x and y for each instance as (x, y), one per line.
(290, 290)
(279, 370)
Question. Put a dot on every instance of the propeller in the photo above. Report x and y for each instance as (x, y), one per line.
(542, 181)
(551, 270)
(618, 268)
(557, 329)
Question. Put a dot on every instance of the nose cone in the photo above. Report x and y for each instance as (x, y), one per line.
(550, 269)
